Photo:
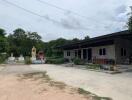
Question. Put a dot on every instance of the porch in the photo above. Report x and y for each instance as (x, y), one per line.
(115, 47)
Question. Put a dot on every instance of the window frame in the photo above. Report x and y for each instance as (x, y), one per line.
(68, 53)
(102, 51)
(123, 52)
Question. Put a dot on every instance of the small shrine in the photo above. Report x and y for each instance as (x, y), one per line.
(21, 58)
(11, 59)
(37, 58)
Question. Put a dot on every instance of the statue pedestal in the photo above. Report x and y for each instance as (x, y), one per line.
(11, 60)
(33, 59)
(21, 59)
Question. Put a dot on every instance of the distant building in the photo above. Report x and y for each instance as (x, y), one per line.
(115, 47)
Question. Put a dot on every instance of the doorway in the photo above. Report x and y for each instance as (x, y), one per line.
(85, 54)
(89, 54)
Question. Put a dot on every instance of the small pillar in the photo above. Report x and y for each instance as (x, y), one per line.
(81, 53)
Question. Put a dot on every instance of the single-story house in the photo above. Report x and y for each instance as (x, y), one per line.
(115, 47)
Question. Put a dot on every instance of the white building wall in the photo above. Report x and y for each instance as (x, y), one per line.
(126, 44)
(110, 52)
(72, 54)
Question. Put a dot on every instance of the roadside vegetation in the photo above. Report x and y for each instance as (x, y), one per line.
(93, 66)
(78, 61)
(3, 58)
(20, 42)
(28, 60)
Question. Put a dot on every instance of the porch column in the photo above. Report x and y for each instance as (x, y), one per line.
(81, 53)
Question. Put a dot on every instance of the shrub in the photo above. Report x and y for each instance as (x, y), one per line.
(55, 61)
(27, 60)
(3, 57)
(93, 66)
(78, 61)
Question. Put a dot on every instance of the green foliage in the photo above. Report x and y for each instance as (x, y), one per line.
(129, 23)
(28, 60)
(49, 47)
(78, 61)
(55, 60)
(86, 38)
(2, 32)
(3, 57)
(93, 66)
(3, 41)
(21, 42)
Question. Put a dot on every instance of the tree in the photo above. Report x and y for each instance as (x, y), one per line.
(75, 40)
(2, 32)
(50, 47)
(21, 42)
(34, 36)
(129, 24)
(3, 41)
(86, 38)
(19, 33)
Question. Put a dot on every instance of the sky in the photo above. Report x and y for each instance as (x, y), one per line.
(68, 19)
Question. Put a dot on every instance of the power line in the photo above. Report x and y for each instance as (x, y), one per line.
(33, 13)
(63, 9)
(67, 10)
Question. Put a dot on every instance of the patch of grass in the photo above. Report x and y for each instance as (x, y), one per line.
(44, 77)
(78, 61)
(60, 85)
(55, 61)
(82, 91)
(35, 75)
(93, 66)
(94, 97)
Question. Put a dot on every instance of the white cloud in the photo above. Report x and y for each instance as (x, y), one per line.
(103, 16)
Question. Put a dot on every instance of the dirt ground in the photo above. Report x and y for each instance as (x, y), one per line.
(116, 86)
(13, 87)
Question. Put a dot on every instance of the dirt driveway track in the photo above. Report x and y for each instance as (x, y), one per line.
(118, 87)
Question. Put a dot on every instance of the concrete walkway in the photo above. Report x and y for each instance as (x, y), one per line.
(118, 87)
(16, 69)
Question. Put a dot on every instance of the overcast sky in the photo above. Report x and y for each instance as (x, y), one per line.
(65, 18)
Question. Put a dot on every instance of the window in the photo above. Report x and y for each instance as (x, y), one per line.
(68, 53)
(123, 52)
(102, 51)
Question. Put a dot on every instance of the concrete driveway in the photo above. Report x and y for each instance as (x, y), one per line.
(118, 87)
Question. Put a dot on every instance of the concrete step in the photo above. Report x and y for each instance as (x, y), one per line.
(125, 68)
